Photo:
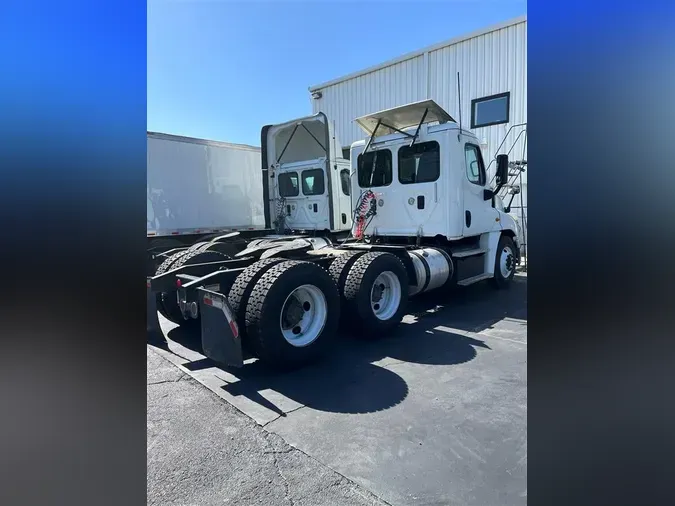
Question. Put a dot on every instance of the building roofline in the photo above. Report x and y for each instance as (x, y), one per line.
(420, 52)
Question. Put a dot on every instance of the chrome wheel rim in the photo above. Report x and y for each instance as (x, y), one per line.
(303, 315)
(507, 262)
(385, 295)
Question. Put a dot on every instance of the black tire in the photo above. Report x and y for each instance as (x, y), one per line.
(228, 248)
(198, 246)
(357, 293)
(339, 268)
(241, 291)
(499, 280)
(164, 267)
(166, 264)
(169, 301)
(263, 313)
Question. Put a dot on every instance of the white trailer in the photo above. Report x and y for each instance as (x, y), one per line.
(199, 187)
(425, 216)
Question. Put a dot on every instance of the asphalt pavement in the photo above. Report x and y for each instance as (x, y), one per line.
(433, 414)
(202, 451)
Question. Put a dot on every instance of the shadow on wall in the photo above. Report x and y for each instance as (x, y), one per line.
(349, 382)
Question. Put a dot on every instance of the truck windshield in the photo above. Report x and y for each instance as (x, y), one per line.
(374, 168)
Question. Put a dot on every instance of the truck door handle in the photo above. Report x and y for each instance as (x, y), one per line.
(316, 210)
(420, 202)
(467, 214)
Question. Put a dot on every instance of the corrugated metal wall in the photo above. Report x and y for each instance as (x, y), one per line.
(491, 63)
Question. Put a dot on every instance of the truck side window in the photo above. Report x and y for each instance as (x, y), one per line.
(312, 182)
(419, 163)
(344, 179)
(374, 168)
(475, 170)
(288, 184)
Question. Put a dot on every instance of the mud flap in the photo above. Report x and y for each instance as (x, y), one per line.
(153, 330)
(221, 341)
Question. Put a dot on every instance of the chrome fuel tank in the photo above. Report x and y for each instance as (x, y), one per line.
(433, 267)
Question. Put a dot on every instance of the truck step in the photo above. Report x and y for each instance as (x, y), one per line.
(468, 252)
(474, 279)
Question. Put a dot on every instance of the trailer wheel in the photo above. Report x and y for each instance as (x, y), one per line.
(241, 291)
(505, 262)
(376, 289)
(292, 314)
(169, 300)
(339, 268)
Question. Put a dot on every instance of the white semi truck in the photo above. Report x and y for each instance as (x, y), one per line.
(421, 216)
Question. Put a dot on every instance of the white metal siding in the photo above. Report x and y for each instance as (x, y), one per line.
(491, 63)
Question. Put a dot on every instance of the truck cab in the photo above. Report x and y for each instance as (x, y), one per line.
(425, 183)
(427, 175)
(305, 180)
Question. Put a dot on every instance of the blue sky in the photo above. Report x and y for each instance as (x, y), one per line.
(221, 69)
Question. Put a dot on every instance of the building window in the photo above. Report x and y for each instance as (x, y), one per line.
(419, 163)
(344, 179)
(475, 169)
(288, 184)
(492, 110)
(312, 182)
(374, 168)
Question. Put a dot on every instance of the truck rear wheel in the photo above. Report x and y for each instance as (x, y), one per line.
(376, 289)
(169, 300)
(339, 269)
(505, 262)
(241, 291)
(292, 314)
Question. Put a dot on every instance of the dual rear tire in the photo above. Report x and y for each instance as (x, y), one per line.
(289, 309)
(167, 302)
(374, 291)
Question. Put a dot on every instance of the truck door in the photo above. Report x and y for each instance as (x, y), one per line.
(479, 215)
(314, 209)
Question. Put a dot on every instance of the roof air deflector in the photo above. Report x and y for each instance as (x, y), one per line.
(399, 118)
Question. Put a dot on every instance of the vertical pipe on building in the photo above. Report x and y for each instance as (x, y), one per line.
(427, 82)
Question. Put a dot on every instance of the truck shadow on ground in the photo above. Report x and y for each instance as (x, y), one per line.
(359, 376)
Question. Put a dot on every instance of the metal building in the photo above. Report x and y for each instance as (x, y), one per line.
(492, 66)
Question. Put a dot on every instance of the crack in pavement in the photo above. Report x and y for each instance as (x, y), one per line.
(287, 486)
(183, 376)
(286, 413)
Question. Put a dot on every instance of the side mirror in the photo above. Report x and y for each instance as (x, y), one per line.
(502, 170)
(488, 194)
